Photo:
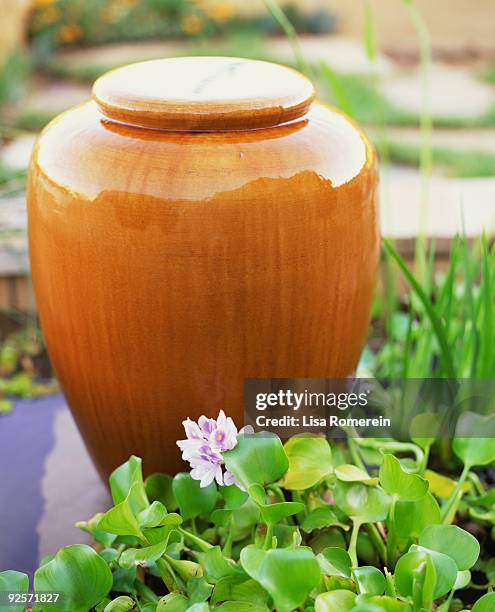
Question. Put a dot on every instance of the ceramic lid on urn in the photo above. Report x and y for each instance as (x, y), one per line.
(203, 94)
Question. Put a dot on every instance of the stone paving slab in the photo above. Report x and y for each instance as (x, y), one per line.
(452, 92)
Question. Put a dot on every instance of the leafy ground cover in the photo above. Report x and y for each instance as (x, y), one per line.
(310, 525)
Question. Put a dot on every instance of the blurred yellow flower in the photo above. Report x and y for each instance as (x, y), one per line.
(42, 3)
(69, 33)
(220, 11)
(191, 24)
(48, 15)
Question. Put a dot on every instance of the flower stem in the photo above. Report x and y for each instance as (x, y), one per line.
(227, 547)
(352, 550)
(167, 575)
(455, 496)
(391, 537)
(378, 542)
(202, 544)
(268, 537)
(146, 592)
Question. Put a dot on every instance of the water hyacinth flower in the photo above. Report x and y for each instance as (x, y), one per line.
(206, 441)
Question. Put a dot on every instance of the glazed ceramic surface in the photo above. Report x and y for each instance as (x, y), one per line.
(171, 264)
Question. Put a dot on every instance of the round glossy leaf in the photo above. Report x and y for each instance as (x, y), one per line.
(399, 483)
(462, 580)
(173, 602)
(351, 473)
(241, 606)
(384, 603)
(274, 513)
(257, 459)
(13, 582)
(239, 588)
(159, 488)
(318, 519)
(369, 580)
(193, 499)
(121, 604)
(453, 541)
(416, 559)
(335, 562)
(361, 502)
(478, 447)
(216, 566)
(288, 574)
(233, 496)
(485, 603)
(310, 460)
(79, 574)
(340, 600)
(412, 517)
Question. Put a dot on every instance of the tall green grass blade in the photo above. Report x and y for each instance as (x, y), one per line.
(436, 322)
(486, 295)
(369, 38)
(283, 21)
(336, 86)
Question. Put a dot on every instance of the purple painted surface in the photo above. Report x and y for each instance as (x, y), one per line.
(26, 438)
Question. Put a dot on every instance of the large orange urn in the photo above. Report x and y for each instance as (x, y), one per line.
(199, 222)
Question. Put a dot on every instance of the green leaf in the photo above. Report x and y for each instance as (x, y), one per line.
(310, 460)
(399, 483)
(13, 582)
(79, 574)
(239, 589)
(233, 496)
(340, 600)
(120, 519)
(380, 603)
(272, 568)
(241, 606)
(436, 322)
(216, 566)
(415, 560)
(123, 580)
(335, 561)
(424, 585)
(159, 488)
(351, 473)
(143, 556)
(274, 513)
(198, 589)
(173, 602)
(362, 503)
(193, 499)
(121, 604)
(91, 527)
(485, 603)
(421, 423)
(453, 541)
(412, 517)
(156, 515)
(369, 580)
(199, 607)
(462, 580)
(127, 477)
(319, 518)
(478, 449)
(257, 459)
